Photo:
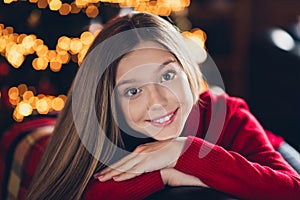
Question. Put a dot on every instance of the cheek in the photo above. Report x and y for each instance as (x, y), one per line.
(133, 111)
(182, 90)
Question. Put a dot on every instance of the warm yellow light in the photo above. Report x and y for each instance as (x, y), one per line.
(153, 7)
(14, 102)
(10, 46)
(81, 3)
(17, 116)
(20, 49)
(63, 97)
(55, 5)
(49, 101)
(65, 9)
(128, 3)
(51, 54)
(4, 32)
(15, 58)
(141, 7)
(60, 51)
(158, 7)
(92, 11)
(197, 35)
(200, 35)
(74, 8)
(33, 101)
(37, 44)
(27, 95)
(22, 88)
(42, 63)
(58, 104)
(164, 11)
(13, 37)
(24, 109)
(117, 1)
(86, 38)
(28, 41)
(81, 55)
(33, 1)
(13, 93)
(34, 64)
(64, 43)
(42, 3)
(2, 44)
(55, 66)
(20, 38)
(42, 106)
(75, 45)
(8, 1)
(42, 51)
(64, 58)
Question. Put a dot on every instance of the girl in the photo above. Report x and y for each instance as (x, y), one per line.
(135, 122)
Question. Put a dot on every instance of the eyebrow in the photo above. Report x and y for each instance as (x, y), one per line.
(171, 60)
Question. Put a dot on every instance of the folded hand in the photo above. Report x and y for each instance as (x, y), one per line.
(145, 158)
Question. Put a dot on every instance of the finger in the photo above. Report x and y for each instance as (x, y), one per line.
(102, 172)
(126, 176)
(108, 169)
(109, 176)
(126, 167)
(117, 164)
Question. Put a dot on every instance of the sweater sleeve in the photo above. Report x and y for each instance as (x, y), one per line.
(248, 168)
(136, 188)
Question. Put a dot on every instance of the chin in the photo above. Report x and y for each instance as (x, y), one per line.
(165, 137)
(161, 134)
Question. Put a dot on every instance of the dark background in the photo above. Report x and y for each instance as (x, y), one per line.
(238, 40)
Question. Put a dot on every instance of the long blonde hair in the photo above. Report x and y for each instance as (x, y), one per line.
(67, 165)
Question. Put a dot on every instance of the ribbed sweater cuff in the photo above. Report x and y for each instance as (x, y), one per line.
(200, 159)
(153, 181)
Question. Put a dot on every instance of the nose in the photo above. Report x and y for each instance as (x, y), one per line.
(157, 96)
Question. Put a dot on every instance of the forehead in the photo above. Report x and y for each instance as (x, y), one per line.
(143, 55)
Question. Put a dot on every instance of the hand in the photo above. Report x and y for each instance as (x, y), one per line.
(145, 158)
(173, 177)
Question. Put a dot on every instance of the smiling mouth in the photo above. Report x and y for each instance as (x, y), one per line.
(164, 120)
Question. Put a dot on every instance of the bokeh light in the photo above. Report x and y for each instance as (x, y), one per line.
(24, 101)
(16, 47)
(90, 7)
(24, 109)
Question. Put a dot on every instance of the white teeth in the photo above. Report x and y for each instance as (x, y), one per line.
(164, 119)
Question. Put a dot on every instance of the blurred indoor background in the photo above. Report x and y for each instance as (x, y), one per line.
(255, 44)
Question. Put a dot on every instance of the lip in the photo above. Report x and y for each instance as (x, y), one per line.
(165, 123)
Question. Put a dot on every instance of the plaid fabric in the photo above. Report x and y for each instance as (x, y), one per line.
(20, 151)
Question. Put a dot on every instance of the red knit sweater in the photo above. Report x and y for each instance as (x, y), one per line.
(242, 162)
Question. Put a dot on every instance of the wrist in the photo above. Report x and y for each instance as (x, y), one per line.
(164, 175)
(180, 143)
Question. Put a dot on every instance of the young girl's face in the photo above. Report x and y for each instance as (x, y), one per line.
(153, 92)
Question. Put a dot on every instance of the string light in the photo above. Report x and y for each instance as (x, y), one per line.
(25, 102)
(16, 47)
(197, 35)
(90, 7)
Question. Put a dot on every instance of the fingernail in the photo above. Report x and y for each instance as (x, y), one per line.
(96, 176)
(100, 178)
(115, 178)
